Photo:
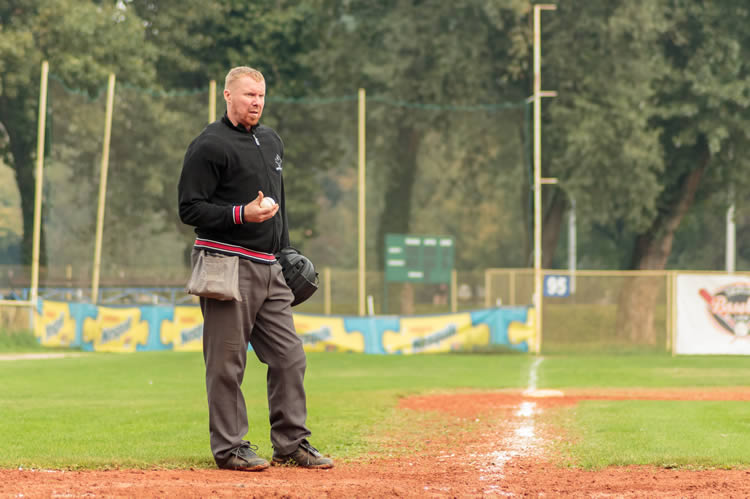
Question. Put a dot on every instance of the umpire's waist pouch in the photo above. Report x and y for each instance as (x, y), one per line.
(215, 276)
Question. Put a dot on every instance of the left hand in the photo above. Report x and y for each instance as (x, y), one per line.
(255, 213)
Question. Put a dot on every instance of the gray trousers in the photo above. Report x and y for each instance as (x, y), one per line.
(264, 319)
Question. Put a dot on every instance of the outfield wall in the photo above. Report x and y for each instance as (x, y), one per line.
(180, 328)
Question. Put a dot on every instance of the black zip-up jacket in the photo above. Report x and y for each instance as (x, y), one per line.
(224, 168)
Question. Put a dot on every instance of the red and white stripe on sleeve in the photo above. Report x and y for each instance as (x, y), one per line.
(238, 214)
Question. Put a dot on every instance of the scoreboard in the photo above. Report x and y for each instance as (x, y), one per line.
(418, 258)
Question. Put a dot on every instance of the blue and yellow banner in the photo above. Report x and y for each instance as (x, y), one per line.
(180, 328)
(321, 333)
(54, 325)
(184, 330)
(116, 329)
(438, 333)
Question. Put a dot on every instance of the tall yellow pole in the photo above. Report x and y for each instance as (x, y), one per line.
(38, 186)
(487, 289)
(327, 290)
(454, 291)
(538, 94)
(103, 188)
(212, 101)
(361, 208)
(37, 228)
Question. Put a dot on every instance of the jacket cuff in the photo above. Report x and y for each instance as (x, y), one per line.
(238, 214)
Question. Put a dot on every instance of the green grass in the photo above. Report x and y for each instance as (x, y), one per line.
(19, 341)
(661, 433)
(146, 409)
(149, 409)
(644, 371)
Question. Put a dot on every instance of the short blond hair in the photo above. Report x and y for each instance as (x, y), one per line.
(240, 71)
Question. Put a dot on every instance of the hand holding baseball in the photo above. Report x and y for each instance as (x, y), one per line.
(260, 209)
(267, 202)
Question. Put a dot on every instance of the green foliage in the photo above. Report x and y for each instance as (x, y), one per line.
(182, 34)
(10, 221)
(422, 64)
(652, 95)
(597, 138)
(83, 42)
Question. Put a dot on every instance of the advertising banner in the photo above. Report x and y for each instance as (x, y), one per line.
(184, 331)
(180, 328)
(116, 329)
(713, 314)
(55, 327)
(440, 333)
(321, 333)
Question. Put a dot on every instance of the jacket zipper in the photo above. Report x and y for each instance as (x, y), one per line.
(270, 186)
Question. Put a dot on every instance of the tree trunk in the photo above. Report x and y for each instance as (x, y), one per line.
(635, 311)
(23, 165)
(396, 216)
(526, 196)
(552, 222)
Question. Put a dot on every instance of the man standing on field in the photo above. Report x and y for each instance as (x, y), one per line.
(229, 169)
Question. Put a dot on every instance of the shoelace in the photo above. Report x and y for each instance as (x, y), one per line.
(309, 448)
(244, 445)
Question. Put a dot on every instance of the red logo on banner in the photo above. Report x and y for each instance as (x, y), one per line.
(730, 307)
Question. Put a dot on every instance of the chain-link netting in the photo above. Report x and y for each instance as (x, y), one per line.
(590, 318)
(453, 171)
(145, 244)
(13, 275)
(457, 172)
(586, 319)
(72, 165)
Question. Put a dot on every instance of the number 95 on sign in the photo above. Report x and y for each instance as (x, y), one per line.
(557, 286)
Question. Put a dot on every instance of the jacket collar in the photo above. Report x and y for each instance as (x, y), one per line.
(225, 119)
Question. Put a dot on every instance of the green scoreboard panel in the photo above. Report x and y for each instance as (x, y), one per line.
(417, 258)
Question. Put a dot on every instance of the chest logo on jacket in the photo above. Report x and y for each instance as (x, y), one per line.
(277, 160)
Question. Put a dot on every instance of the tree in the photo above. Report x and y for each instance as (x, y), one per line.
(597, 139)
(650, 118)
(419, 52)
(703, 115)
(83, 42)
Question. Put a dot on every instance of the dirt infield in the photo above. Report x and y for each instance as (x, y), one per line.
(476, 445)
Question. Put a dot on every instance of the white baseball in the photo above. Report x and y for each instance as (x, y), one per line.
(267, 202)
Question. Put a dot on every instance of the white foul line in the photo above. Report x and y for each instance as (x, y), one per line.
(523, 440)
(534, 374)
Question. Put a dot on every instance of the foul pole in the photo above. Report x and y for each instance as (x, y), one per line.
(538, 180)
(103, 188)
(361, 205)
(38, 185)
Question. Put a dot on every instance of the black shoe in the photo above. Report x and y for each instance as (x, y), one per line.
(244, 458)
(306, 456)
